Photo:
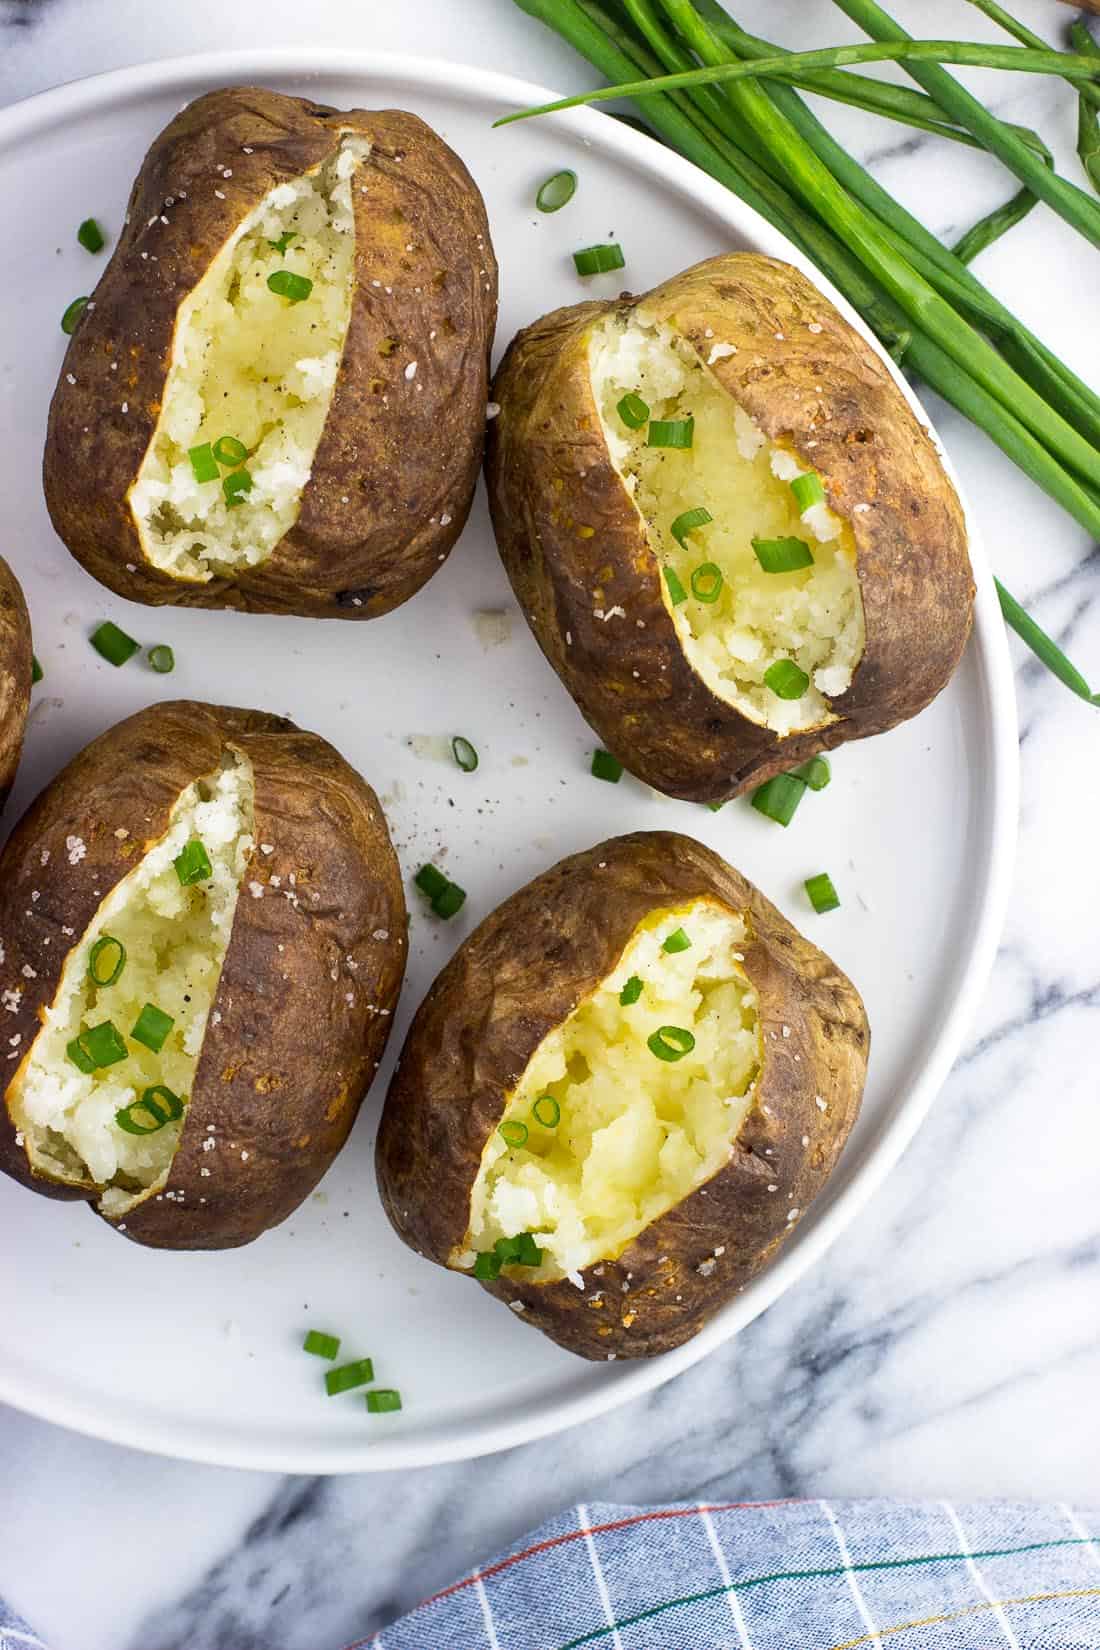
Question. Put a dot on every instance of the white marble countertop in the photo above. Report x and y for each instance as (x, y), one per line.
(949, 1345)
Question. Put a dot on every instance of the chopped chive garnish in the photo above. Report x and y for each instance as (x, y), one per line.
(286, 284)
(783, 555)
(204, 466)
(633, 411)
(82, 1061)
(506, 1249)
(528, 1252)
(106, 960)
(360, 1373)
(284, 241)
(162, 659)
(72, 314)
(152, 1027)
(599, 260)
(688, 522)
(90, 236)
(823, 896)
(235, 486)
(430, 881)
(786, 679)
(816, 773)
(321, 1345)
(193, 863)
(546, 1111)
(676, 591)
(707, 582)
(606, 766)
(103, 1044)
(158, 1103)
(513, 1134)
(229, 451)
(671, 432)
(807, 491)
(631, 991)
(464, 754)
(383, 1400)
(714, 807)
(113, 644)
(779, 796)
(487, 1266)
(676, 941)
(671, 1043)
(557, 191)
(37, 672)
(448, 903)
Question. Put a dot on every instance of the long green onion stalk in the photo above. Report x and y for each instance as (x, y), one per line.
(731, 103)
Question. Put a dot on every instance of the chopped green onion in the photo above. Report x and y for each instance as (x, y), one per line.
(779, 796)
(688, 522)
(557, 191)
(487, 1266)
(286, 284)
(360, 1373)
(671, 432)
(152, 1027)
(676, 941)
(816, 773)
(72, 314)
(807, 491)
(671, 1043)
(383, 1400)
(113, 644)
(235, 486)
(229, 451)
(449, 902)
(599, 260)
(606, 766)
(161, 1105)
(464, 754)
(193, 863)
(430, 881)
(715, 807)
(90, 236)
(103, 1044)
(284, 241)
(37, 672)
(506, 1249)
(546, 1111)
(823, 896)
(633, 411)
(631, 991)
(82, 1061)
(204, 466)
(707, 582)
(676, 591)
(162, 659)
(783, 555)
(528, 1252)
(106, 960)
(321, 1345)
(513, 1134)
(786, 679)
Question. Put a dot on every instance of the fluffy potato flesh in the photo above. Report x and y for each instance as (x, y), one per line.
(636, 1133)
(813, 616)
(252, 364)
(175, 938)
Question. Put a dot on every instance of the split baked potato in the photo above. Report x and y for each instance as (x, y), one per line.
(15, 675)
(730, 535)
(203, 939)
(276, 398)
(621, 1095)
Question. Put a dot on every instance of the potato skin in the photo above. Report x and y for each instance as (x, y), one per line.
(287, 1058)
(805, 376)
(370, 531)
(520, 974)
(15, 675)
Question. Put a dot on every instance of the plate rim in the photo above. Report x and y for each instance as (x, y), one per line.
(194, 72)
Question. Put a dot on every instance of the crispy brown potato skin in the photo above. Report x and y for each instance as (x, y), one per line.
(826, 393)
(286, 1059)
(15, 675)
(395, 455)
(520, 974)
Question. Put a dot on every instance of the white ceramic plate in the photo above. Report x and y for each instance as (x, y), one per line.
(199, 1355)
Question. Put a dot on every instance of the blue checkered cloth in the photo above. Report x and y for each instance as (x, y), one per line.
(789, 1575)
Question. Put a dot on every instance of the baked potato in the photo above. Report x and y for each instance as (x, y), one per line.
(731, 537)
(276, 398)
(621, 1095)
(203, 932)
(15, 675)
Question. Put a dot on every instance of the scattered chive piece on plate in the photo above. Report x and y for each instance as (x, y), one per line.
(37, 672)
(633, 411)
(816, 773)
(103, 1044)
(808, 491)
(557, 191)
(106, 960)
(383, 1400)
(707, 582)
(286, 284)
(715, 807)
(631, 991)
(91, 236)
(671, 432)
(229, 451)
(779, 796)
(786, 679)
(159, 1102)
(513, 1134)
(688, 522)
(321, 1345)
(204, 466)
(192, 863)
(676, 941)
(671, 1043)
(430, 881)
(487, 1266)
(464, 754)
(113, 644)
(783, 555)
(546, 1111)
(360, 1373)
(71, 315)
(676, 591)
(606, 766)
(151, 1027)
(162, 659)
(823, 896)
(449, 901)
(599, 260)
